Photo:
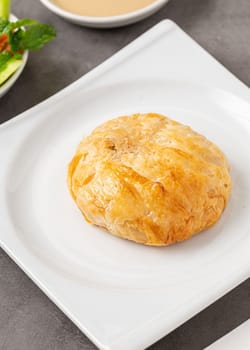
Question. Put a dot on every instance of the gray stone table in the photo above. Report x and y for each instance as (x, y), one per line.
(28, 319)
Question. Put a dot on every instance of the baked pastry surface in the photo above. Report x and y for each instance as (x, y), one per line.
(149, 179)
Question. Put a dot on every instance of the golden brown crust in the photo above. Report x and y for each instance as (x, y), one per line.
(149, 179)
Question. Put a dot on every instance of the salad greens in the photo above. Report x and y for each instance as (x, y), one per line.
(14, 40)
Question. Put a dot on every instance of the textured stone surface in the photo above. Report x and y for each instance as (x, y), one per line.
(28, 319)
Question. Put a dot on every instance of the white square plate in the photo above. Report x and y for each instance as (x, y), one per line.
(120, 294)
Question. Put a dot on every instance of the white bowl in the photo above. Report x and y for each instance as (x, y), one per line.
(106, 21)
(9, 82)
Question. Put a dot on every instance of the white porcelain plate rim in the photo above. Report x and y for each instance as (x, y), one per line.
(106, 21)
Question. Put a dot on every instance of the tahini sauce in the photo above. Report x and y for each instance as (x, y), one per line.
(102, 7)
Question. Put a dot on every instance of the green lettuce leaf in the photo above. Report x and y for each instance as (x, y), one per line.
(3, 24)
(4, 58)
(35, 37)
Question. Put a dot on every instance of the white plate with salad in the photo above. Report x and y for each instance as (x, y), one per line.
(9, 76)
(16, 38)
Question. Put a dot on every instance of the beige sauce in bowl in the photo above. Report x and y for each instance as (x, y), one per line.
(101, 8)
